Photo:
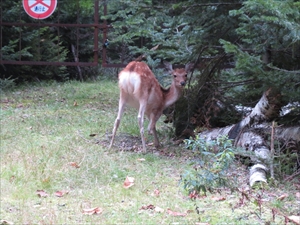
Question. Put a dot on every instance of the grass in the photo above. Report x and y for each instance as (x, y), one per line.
(46, 128)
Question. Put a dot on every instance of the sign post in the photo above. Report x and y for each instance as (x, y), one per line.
(39, 9)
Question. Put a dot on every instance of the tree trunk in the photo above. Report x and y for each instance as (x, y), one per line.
(250, 134)
(77, 60)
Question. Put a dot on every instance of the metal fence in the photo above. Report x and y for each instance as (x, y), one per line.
(98, 27)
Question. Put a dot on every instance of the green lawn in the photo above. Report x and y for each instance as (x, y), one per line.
(54, 137)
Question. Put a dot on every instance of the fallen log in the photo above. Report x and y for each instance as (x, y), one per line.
(253, 131)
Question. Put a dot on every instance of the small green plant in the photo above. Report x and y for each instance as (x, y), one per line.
(7, 83)
(209, 169)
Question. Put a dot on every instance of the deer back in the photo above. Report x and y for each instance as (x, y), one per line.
(138, 85)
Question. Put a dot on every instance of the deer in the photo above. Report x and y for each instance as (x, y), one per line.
(140, 89)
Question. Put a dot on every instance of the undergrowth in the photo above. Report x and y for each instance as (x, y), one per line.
(209, 168)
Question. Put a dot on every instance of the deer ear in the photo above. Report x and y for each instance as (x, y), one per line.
(189, 66)
(168, 66)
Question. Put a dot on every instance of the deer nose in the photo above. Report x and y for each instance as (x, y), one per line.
(182, 83)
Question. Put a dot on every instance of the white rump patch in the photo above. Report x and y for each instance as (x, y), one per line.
(129, 81)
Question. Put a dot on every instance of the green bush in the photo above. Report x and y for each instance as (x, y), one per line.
(209, 169)
(7, 83)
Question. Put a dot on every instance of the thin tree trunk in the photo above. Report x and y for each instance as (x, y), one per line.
(77, 60)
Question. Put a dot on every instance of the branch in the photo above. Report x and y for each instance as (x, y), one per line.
(213, 4)
(289, 178)
(283, 70)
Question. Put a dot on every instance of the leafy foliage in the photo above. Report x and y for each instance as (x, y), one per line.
(209, 169)
(267, 48)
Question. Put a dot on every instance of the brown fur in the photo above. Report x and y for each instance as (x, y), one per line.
(140, 89)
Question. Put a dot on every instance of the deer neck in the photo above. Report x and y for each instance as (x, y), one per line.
(171, 95)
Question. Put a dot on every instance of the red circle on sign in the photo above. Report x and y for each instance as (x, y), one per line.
(39, 9)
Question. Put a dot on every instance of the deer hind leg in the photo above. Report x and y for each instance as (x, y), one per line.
(152, 130)
(117, 121)
(141, 123)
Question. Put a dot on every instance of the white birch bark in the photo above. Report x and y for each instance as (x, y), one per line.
(246, 136)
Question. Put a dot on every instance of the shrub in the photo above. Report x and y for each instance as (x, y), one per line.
(209, 168)
(7, 83)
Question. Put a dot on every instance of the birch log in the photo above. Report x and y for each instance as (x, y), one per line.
(245, 133)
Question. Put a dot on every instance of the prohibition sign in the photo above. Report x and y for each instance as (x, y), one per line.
(39, 9)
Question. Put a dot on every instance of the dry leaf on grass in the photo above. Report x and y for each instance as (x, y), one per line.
(152, 207)
(218, 199)
(156, 192)
(146, 207)
(172, 213)
(74, 164)
(41, 193)
(61, 193)
(195, 195)
(141, 159)
(281, 197)
(298, 195)
(92, 211)
(129, 181)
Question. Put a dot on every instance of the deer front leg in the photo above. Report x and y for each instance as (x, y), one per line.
(156, 141)
(152, 130)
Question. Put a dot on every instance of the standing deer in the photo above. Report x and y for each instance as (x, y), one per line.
(140, 89)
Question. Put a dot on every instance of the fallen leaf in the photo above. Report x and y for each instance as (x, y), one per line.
(75, 103)
(41, 193)
(172, 213)
(93, 135)
(141, 159)
(92, 211)
(60, 193)
(146, 207)
(11, 179)
(129, 181)
(218, 199)
(158, 210)
(281, 197)
(298, 195)
(195, 195)
(295, 219)
(152, 207)
(74, 164)
(156, 192)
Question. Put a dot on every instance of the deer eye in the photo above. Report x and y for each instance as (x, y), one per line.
(175, 76)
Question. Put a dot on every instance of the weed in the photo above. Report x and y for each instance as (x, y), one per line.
(6, 84)
(213, 160)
